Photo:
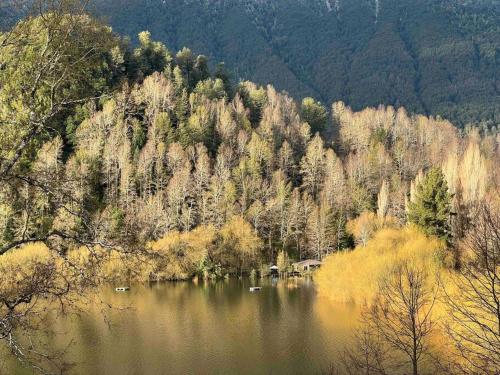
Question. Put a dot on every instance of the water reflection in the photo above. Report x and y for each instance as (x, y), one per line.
(207, 328)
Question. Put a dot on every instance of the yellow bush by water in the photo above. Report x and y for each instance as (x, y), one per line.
(18, 266)
(353, 276)
(180, 255)
(26, 255)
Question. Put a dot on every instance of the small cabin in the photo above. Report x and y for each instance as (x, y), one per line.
(274, 271)
(306, 265)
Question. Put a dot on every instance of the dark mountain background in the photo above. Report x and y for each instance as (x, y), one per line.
(436, 57)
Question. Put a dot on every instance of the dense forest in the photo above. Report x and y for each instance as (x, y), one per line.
(132, 162)
(431, 57)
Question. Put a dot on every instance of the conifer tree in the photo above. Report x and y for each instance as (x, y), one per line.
(431, 208)
(315, 114)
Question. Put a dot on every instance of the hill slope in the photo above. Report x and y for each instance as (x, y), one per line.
(433, 57)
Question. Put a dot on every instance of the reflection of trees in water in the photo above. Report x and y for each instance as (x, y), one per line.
(207, 326)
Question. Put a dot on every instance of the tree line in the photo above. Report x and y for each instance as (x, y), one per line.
(136, 143)
(154, 159)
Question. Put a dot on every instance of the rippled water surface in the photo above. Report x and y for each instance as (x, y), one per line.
(206, 328)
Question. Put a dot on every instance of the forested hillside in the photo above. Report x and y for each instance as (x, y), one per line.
(161, 145)
(132, 162)
(432, 57)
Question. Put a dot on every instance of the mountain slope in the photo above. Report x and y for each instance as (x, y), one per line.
(434, 57)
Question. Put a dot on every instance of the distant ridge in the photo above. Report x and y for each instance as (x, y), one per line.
(438, 57)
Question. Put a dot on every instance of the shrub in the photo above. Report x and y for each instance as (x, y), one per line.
(353, 276)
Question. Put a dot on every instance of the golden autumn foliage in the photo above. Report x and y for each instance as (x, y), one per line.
(110, 265)
(176, 256)
(364, 227)
(238, 245)
(14, 266)
(28, 271)
(181, 255)
(25, 256)
(353, 276)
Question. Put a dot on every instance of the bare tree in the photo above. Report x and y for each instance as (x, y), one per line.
(369, 355)
(396, 328)
(474, 296)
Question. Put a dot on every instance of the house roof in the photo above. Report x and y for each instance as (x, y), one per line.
(308, 262)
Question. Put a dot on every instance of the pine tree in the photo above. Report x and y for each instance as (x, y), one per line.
(315, 114)
(431, 207)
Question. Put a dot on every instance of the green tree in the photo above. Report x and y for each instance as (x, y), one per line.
(202, 72)
(150, 56)
(50, 65)
(314, 113)
(186, 62)
(254, 98)
(430, 209)
(222, 73)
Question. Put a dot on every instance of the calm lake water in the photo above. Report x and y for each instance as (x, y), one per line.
(206, 328)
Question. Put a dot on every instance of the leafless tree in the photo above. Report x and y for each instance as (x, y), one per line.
(368, 354)
(394, 337)
(474, 296)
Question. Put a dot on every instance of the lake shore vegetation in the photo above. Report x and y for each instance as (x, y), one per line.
(134, 163)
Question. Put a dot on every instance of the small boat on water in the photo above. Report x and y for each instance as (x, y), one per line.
(255, 288)
(122, 289)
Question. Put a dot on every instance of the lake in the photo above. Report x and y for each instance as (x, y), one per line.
(206, 328)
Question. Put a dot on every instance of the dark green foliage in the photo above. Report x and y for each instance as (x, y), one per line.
(181, 107)
(254, 98)
(117, 220)
(432, 57)
(149, 57)
(380, 135)
(222, 74)
(315, 114)
(138, 136)
(81, 112)
(211, 89)
(201, 68)
(166, 131)
(431, 207)
(185, 61)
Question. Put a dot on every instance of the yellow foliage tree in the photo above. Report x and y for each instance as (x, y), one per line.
(238, 245)
(354, 276)
(181, 255)
(15, 267)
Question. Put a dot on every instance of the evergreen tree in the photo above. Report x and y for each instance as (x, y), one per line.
(186, 62)
(315, 114)
(431, 206)
(222, 73)
(150, 56)
(202, 71)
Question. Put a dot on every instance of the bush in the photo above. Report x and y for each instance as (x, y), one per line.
(353, 276)
(182, 255)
